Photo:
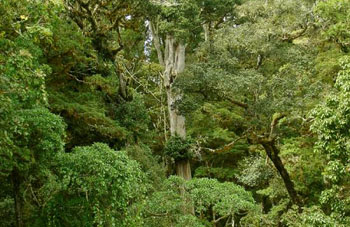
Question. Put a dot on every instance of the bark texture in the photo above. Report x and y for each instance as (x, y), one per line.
(183, 169)
(175, 64)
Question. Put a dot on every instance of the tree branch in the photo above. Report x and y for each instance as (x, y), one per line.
(227, 146)
(237, 103)
(219, 219)
(275, 120)
(292, 37)
(156, 42)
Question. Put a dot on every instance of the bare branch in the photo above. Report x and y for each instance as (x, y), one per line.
(142, 85)
(223, 217)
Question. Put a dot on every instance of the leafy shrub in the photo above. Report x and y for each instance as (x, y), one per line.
(99, 184)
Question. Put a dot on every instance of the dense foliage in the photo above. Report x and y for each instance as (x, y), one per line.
(102, 102)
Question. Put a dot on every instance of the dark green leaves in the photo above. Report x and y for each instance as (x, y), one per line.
(178, 148)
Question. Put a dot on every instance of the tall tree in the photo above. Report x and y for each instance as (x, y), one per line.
(176, 29)
(170, 30)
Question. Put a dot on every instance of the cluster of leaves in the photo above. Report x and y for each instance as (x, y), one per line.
(179, 148)
(212, 201)
(331, 124)
(257, 175)
(333, 19)
(310, 216)
(97, 182)
(179, 18)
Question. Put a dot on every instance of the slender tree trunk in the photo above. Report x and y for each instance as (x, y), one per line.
(206, 29)
(156, 42)
(273, 152)
(17, 198)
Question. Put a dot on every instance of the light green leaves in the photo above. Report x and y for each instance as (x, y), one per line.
(212, 201)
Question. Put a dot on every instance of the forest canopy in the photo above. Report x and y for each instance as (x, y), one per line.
(175, 113)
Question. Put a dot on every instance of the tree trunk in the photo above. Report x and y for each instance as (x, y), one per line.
(173, 59)
(175, 64)
(183, 169)
(122, 87)
(272, 151)
(208, 36)
(17, 198)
